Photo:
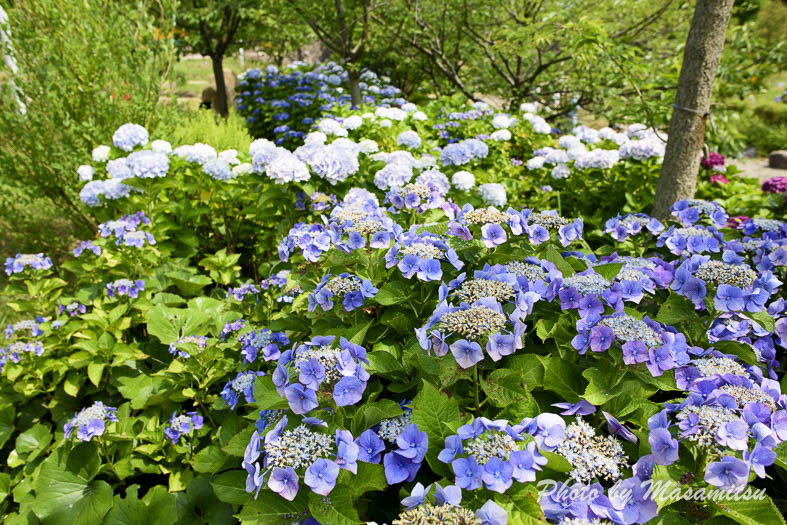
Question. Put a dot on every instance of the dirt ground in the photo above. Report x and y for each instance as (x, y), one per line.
(758, 168)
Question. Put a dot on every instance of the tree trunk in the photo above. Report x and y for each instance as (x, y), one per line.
(355, 86)
(678, 178)
(221, 89)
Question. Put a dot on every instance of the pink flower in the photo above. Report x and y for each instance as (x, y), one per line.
(718, 178)
(734, 222)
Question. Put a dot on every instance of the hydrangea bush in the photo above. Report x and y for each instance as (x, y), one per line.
(373, 328)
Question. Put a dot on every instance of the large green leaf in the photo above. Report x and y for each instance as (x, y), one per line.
(230, 487)
(336, 509)
(676, 309)
(33, 442)
(393, 292)
(65, 494)
(563, 378)
(271, 509)
(433, 411)
(157, 507)
(751, 512)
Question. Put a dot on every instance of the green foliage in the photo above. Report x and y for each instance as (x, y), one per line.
(84, 68)
(206, 127)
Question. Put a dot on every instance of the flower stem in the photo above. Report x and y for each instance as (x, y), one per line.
(475, 382)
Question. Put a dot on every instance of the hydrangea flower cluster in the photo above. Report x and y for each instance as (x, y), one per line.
(34, 325)
(181, 425)
(690, 211)
(15, 350)
(86, 246)
(621, 227)
(37, 261)
(539, 226)
(125, 287)
(243, 384)
(352, 290)
(303, 451)
(198, 341)
(262, 341)
(90, 422)
(491, 454)
(463, 329)
(126, 230)
(72, 309)
(129, 136)
(420, 255)
(321, 365)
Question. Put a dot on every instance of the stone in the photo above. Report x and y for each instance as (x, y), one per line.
(778, 160)
(750, 153)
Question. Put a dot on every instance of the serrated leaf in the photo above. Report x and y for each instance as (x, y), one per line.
(271, 509)
(608, 271)
(433, 411)
(751, 512)
(209, 459)
(230, 487)
(553, 256)
(563, 378)
(393, 292)
(157, 507)
(336, 509)
(676, 309)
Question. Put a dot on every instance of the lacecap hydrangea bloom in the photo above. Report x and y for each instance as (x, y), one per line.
(185, 343)
(539, 226)
(243, 384)
(15, 350)
(86, 246)
(465, 328)
(34, 325)
(182, 425)
(262, 341)
(420, 254)
(17, 264)
(125, 287)
(491, 454)
(690, 211)
(352, 290)
(621, 227)
(304, 452)
(90, 422)
(320, 365)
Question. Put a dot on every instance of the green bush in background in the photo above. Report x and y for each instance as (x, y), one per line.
(84, 68)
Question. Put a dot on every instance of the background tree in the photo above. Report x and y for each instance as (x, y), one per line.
(344, 27)
(701, 57)
(216, 28)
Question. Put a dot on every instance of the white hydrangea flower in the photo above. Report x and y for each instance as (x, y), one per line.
(419, 115)
(385, 123)
(85, 173)
(528, 107)
(287, 168)
(409, 107)
(161, 146)
(315, 137)
(535, 163)
(101, 153)
(501, 135)
(463, 180)
(368, 146)
(230, 156)
(330, 126)
(241, 169)
(409, 138)
(493, 193)
(352, 122)
(502, 121)
(561, 171)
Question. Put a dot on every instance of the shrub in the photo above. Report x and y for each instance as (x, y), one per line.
(311, 336)
(84, 68)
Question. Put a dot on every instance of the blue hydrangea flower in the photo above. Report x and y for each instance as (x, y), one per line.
(125, 287)
(621, 227)
(34, 325)
(403, 463)
(262, 340)
(200, 341)
(243, 384)
(37, 261)
(463, 329)
(15, 350)
(353, 290)
(182, 425)
(690, 211)
(232, 326)
(128, 136)
(289, 453)
(321, 365)
(539, 226)
(420, 254)
(147, 164)
(313, 240)
(242, 291)
(691, 239)
(86, 246)
(491, 454)
(111, 189)
(125, 225)
(73, 309)
(91, 421)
